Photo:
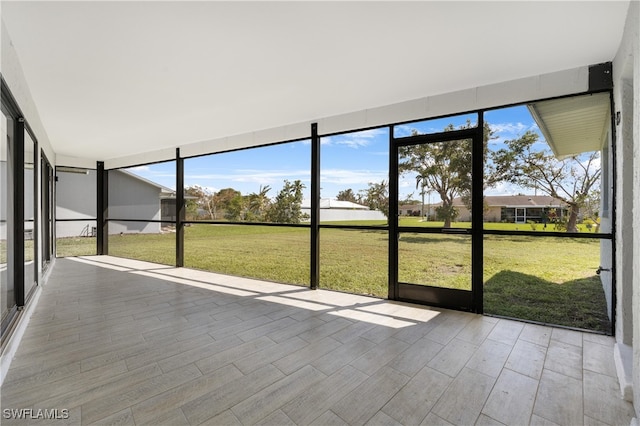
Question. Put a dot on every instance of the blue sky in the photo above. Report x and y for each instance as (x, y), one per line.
(347, 161)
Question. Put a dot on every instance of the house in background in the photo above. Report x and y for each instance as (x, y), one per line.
(332, 210)
(138, 202)
(516, 208)
(499, 208)
(416, 210)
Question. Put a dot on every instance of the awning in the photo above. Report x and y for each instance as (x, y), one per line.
(573, 125)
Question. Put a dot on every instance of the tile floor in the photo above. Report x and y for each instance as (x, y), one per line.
(117, 341)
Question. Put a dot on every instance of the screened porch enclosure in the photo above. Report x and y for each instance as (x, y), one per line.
(240, 215)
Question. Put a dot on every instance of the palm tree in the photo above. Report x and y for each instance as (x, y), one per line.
(421, 181)
(259, 203)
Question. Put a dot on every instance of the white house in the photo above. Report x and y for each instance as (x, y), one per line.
(133, 199)
(332, 210)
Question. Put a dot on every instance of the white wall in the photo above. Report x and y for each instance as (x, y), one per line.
(335, 215)
(606, 223)
(14, 76)
(15, 79)
(626, 69)
(632, 32)
(131, 198)
(75, 199)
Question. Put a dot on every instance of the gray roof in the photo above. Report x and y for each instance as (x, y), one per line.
(523, 200)
(164, 191)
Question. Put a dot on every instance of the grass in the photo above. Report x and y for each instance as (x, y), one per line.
(493, 226)
(78, 246)
(550, 280)
(435, 259)
(270, 253)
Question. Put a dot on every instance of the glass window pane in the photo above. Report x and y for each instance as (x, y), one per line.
(354, 261)
(436, 125)
(6, 284)
(29, 213)
(75, 211)
(48, 198)
(264, 184)
(546, 279)
(272, 253)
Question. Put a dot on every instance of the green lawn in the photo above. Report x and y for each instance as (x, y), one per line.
(79, 246)
(549, 279)
(494, 226)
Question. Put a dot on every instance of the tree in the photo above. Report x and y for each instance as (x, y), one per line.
(258, 204)
(286, 207)
(235, 210)
(377, 197)
(572, 180)
(221, 200)
(203, 200)
(194, 196)
(446, 169)
(421, 182)
(347, 195)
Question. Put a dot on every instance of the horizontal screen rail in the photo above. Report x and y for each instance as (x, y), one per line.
(219, 222)
(587, 235)
(142, 220)
(434, 230)
(356, 227)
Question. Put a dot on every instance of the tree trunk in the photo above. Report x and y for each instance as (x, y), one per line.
(573, 218)
(447, 217)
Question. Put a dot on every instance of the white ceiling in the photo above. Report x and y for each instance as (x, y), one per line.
(112, 79)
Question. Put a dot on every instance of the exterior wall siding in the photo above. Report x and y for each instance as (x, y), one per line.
(626, 69)
(130, 198)
(328, 215)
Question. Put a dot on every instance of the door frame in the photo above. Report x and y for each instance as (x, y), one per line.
(47, 210)
(443, 297)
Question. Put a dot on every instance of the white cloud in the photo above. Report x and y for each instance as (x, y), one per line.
(249, 178)
(596, 163)
(402, 130)
(511, 128)
(404, 183)
(506, 131)
(505, 188)
(139, 169)
(354, 140)
(352, 177)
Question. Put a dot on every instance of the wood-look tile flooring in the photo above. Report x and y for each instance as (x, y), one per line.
(117, 341)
